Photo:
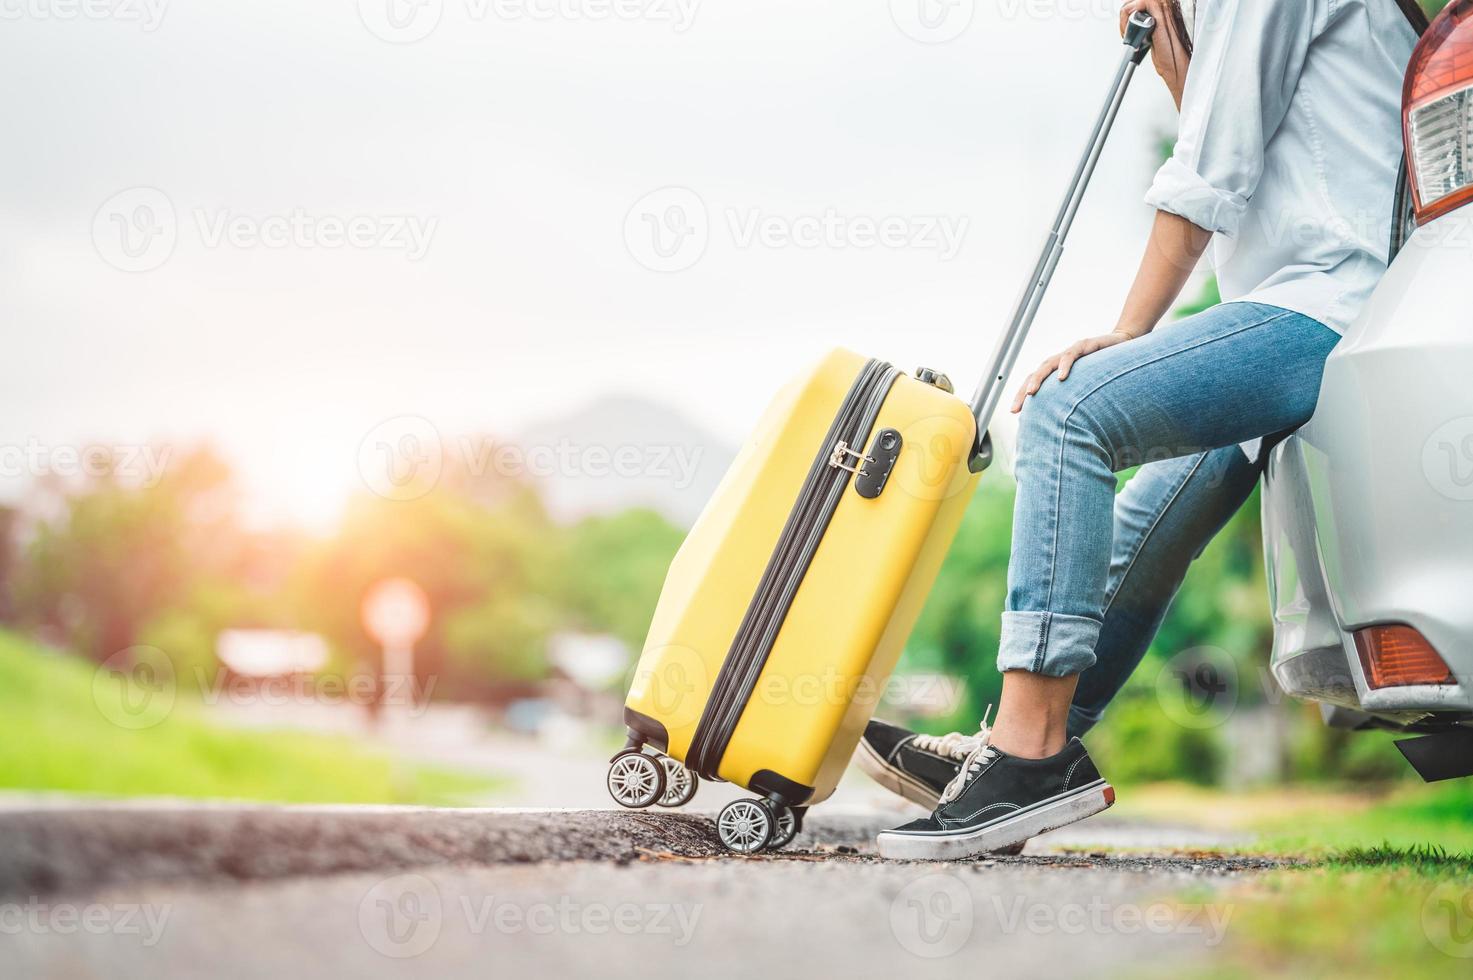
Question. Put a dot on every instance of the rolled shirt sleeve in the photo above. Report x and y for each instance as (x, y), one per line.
(1243, 74)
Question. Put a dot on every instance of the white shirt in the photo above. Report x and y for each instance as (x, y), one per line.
(1288, 148)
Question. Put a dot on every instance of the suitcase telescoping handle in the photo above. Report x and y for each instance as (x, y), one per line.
(984, 402)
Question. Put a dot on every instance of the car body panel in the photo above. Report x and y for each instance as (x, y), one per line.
(1368, 509)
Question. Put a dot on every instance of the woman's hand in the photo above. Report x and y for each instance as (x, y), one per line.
(1063, 361)
(1171, 50)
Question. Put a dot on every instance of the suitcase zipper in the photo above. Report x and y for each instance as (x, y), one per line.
(817, 500)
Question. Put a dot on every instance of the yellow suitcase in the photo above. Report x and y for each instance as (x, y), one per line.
(789, 602)
(787, 606)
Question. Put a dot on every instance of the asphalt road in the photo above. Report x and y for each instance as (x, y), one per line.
(163, 890)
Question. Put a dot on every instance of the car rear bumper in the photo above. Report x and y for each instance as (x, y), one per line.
(1368, 510)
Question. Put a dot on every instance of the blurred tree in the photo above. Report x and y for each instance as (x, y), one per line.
(958, 630)
(484, 562)
(8, 523)
(117, 554)
(611, 570)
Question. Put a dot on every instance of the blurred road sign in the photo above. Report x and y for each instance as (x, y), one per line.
(396, 612)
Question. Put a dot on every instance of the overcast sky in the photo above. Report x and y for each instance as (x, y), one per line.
(277, 223)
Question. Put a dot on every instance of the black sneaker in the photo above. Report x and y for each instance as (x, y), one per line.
(1004, 800)
(918, 767)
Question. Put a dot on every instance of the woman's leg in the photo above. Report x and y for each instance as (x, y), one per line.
(1164, 517)
(1237, 372)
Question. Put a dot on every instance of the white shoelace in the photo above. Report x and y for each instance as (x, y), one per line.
(973, 751)
(953, 745)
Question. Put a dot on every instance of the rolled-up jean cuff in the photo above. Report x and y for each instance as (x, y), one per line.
(1051, 644)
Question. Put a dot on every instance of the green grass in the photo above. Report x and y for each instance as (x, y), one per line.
(1406, 918)
(56, 735)
(1388, 892)
(1425, 859)
(1384, 909)
(1415, 816)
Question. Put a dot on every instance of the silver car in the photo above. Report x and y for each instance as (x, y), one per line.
(1368, 509)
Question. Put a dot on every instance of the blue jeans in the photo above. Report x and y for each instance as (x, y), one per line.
(1092, 573)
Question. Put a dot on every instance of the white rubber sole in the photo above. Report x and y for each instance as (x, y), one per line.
(893, 779)
(1060, 812)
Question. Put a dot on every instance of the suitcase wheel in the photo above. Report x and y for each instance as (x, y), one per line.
(636, 780)
(746, 826)
(789, 825)
(680, 783)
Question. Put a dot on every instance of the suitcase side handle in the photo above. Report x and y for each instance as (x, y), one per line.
(984, 402)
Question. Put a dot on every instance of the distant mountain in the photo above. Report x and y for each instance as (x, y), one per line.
(622, 451)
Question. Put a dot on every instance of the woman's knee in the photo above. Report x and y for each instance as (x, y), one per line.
(1041, 425)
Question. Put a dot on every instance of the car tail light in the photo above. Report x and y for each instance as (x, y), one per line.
(1437, 110)
(1397, 656)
